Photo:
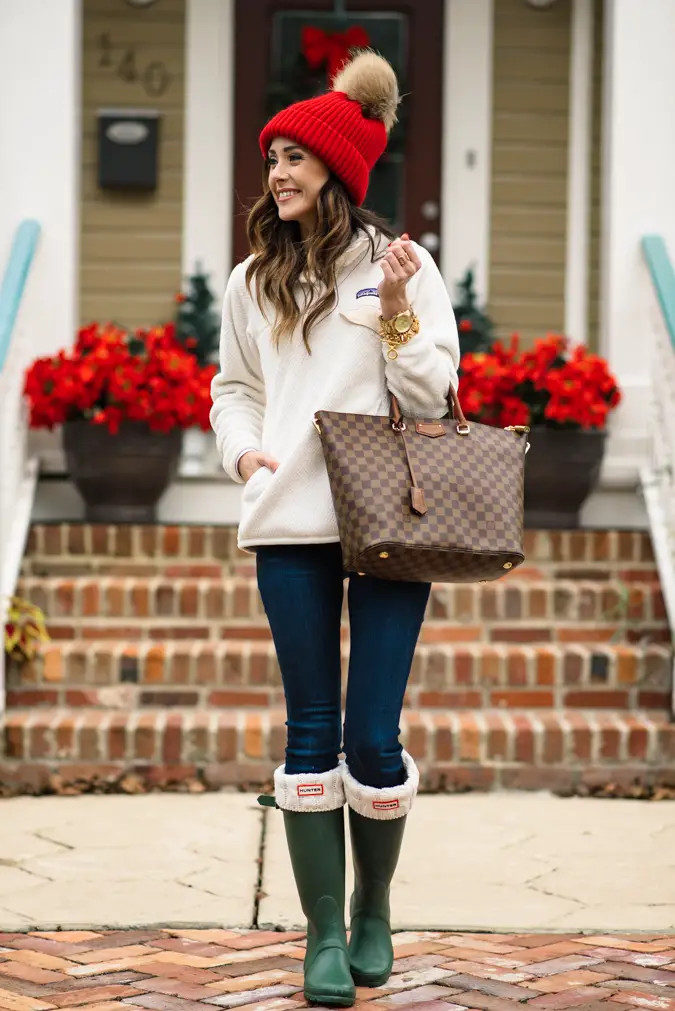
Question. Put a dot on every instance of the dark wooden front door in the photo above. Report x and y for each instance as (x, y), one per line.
(270, 73)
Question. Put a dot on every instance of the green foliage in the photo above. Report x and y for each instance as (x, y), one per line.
(197, 323)
(476, 330)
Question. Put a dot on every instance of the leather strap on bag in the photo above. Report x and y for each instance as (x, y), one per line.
(454, 410)
(417, 502)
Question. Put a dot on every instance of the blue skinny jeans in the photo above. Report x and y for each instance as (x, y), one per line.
(302, 591)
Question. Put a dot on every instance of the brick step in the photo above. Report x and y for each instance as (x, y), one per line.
(182, 551)
(432, 632)
(120, 675)
(515, 610)
(519, 749)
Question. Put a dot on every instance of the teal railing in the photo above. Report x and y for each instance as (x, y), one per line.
(658, 474)
(14, 281)
(663, 278)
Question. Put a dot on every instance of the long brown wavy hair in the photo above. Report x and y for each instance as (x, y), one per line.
(281, 256)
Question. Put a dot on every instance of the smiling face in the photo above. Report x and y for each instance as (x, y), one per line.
(296, 177)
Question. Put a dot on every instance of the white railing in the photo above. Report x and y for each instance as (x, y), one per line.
(658, 474)
(18, 471)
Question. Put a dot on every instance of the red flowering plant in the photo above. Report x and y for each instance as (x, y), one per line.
(553, 384)
(112, 375)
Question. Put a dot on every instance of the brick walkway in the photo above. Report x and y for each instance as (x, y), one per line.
(189, 970)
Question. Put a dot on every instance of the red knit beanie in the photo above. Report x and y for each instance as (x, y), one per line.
(346, 128)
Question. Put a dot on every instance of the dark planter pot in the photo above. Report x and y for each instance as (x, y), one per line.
(121, 477)
(561, 469)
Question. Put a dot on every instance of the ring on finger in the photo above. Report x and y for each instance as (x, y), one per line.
(403, 259)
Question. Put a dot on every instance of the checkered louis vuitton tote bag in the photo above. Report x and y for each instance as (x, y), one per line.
(427, 501)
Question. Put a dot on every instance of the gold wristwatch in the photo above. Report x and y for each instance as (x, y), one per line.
(398, 331)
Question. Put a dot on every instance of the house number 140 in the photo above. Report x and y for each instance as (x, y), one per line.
(154, 77)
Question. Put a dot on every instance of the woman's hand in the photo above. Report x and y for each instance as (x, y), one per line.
(253, 461)
(400, 263)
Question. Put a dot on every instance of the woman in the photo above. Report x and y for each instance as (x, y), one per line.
(320, 317)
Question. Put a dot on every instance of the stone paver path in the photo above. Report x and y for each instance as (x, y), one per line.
(498, 862)
(515, 861)
(192, 970)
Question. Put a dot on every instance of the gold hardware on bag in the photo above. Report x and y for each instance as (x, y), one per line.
(316, 424)
(507, 565)
(463, 429)
(519, 430)
(384, 554)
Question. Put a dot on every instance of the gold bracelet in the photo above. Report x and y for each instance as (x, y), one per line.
(398, 330)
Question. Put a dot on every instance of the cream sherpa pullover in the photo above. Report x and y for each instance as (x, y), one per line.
(265, 398)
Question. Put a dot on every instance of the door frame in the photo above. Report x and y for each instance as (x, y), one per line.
(208, 188)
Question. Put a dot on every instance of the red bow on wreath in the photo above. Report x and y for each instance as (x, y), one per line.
(331, 49)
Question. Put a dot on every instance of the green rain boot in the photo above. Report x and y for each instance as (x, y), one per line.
(315, 832)
(377, 819)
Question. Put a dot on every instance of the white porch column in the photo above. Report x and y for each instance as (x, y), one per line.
(40, 57)
(637, 198)
(209, 124)
(579, 171)
(467, 142)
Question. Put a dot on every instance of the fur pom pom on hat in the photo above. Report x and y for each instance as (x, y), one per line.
(347, 127)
